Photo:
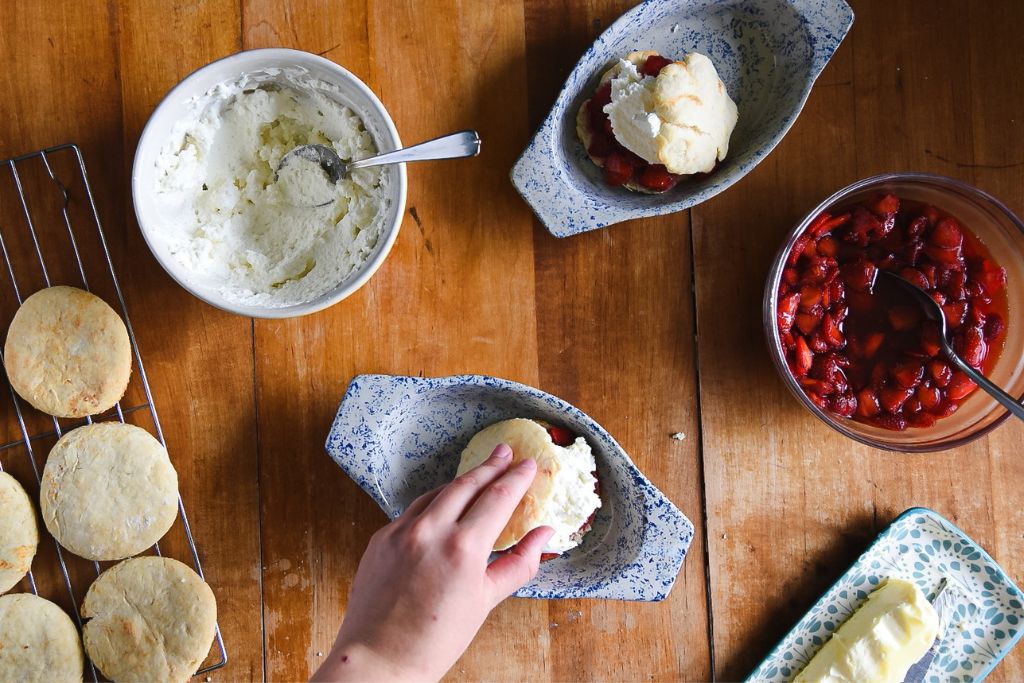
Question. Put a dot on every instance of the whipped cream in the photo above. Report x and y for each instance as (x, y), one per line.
(681, 118)
(881, 641)
(235, 225)
(574, 498)
(563, 494)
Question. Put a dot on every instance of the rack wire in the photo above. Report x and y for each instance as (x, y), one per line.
(30, 252)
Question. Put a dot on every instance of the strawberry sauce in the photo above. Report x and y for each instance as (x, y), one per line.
(860, 348)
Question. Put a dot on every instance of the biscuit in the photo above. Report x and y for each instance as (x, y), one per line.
(527, 439)
(38, 641)
(109, 491)
(68, 353)
(19, 536)
(151, 619)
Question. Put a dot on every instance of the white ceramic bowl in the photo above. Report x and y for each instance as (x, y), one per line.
(264, 66)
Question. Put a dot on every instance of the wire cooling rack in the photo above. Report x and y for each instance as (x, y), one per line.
(45, 200)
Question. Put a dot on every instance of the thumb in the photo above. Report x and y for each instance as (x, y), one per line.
(512, 570)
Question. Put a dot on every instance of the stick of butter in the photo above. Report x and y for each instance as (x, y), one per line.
(881, 641)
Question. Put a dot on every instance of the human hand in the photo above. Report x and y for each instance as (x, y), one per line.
(424, 587)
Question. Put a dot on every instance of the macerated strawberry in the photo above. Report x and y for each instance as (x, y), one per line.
(885, 205)
(804, 357)
(807, 322)
(930, 397)
(908, 375)
(931, 342)
(947, 234)
(954, 313)
(975, 349)
(892, 397)
(787, 311)
(942, 255)
(656, 178)
(617, 169)
(818, 386)
(827, 246)
(960, 386)
(992, 277)
(994, 327)
(891, 422)
(798, 249)
(810, 296)
(940, 373)
(904, 318)
(831, 332)
(561, 436)
(859, 275)
(867, 403)
(844, 405)
(946, 408)
(872, 343)
(914, 276)
(603, 95)
(653, 65)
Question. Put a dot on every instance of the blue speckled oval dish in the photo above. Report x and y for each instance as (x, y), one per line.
(398, 437)
(920, 546)
(768, 53)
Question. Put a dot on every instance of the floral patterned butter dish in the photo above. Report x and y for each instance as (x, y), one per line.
(768, 54)
(923, 547)
(398, 437)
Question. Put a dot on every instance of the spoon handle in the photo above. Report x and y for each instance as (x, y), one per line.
(1007, 401)
(465, 143)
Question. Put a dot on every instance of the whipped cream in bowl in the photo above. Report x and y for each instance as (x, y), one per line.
(241, 233)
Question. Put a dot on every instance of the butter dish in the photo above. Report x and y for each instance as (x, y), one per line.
(767, 52)
(398, 437)
(923, 547)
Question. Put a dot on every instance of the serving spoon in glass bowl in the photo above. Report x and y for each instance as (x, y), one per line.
(465, 143)
(932, 311)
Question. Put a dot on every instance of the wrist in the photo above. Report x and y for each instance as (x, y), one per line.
(354, 660)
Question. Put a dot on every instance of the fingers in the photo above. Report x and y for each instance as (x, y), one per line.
(452, 501)
(494, 506)
(420, 504)
(509, 572)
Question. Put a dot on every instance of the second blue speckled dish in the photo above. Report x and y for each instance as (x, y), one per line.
(767, 52)
(399, 437)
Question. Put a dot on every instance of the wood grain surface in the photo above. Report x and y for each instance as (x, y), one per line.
(652, 327)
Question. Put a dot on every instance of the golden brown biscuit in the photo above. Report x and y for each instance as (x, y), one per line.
(19, 536)
(151, 619)
(68, 353)
(38, 641)
(109, 491)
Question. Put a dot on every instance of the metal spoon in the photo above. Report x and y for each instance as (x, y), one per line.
(933, 312)
(465, 143)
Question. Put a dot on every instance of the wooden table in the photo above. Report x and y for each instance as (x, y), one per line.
(653, 327)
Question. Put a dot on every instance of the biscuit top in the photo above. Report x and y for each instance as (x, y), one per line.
(681, 118)
(68, 353)
(562, 494)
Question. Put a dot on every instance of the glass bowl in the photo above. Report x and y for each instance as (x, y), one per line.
(1002, 232)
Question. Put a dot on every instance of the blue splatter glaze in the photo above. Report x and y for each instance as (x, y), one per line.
(768, 53)
(398, 437)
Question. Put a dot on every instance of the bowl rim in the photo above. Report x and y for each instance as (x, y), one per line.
(341, 291)
(768, 308)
